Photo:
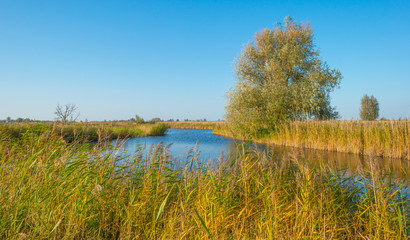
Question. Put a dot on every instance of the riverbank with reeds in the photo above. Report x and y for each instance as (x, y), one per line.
(371, 138)
(86, 131)
(52, 189)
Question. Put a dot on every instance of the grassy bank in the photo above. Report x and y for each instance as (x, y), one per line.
(372, 138)
(86, 132)
(375, 138)
(218, 127)
(196, 124)
(52, 189)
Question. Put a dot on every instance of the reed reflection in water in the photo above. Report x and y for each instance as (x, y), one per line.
(182, 143)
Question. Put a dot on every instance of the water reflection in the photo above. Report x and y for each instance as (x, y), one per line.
(352, 163)
(180, 143)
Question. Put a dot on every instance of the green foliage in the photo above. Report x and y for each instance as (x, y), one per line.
(369, 109)
(139, 119)
(155, 120)
(280, 77)
(159, 129)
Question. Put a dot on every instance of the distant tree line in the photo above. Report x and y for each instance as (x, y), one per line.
(8, 119)
(139, 119)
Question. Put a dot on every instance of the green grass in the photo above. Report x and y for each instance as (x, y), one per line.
(51, 189)
(86, 132)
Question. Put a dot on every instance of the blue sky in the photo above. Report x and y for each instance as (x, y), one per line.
(174, 59)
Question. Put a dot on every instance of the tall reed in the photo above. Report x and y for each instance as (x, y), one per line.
(377, 138)
(54, 190)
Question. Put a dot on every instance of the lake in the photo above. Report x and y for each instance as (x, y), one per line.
(211, 147)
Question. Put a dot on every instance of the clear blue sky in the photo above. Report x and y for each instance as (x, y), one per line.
(174, 59)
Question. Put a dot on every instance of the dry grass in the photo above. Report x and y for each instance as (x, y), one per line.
(372, 138)
(377, 138)
(54, 190)
(196, 124)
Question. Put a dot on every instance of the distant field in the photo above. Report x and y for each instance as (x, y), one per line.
(86, 131)
(196, 124)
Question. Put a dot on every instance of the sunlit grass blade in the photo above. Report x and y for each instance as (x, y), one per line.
(203, 223)
(162, 206)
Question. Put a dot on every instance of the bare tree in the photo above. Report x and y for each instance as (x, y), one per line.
(67, 113)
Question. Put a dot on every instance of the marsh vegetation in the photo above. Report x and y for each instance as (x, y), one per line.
(59, 190)
(85, 131)
(371, 138)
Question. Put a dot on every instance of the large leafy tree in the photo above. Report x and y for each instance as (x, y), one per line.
(280, 77)
(369, 109)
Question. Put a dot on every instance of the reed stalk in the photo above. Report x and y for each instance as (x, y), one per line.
(52, 189)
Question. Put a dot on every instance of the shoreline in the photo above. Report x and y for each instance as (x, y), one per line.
(387, 139)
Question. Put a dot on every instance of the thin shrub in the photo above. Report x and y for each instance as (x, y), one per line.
(159, 129)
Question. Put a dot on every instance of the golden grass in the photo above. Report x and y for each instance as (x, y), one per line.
(371, 138)
(54, 190)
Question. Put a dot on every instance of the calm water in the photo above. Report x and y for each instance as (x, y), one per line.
(212, 147)
(181, 141)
